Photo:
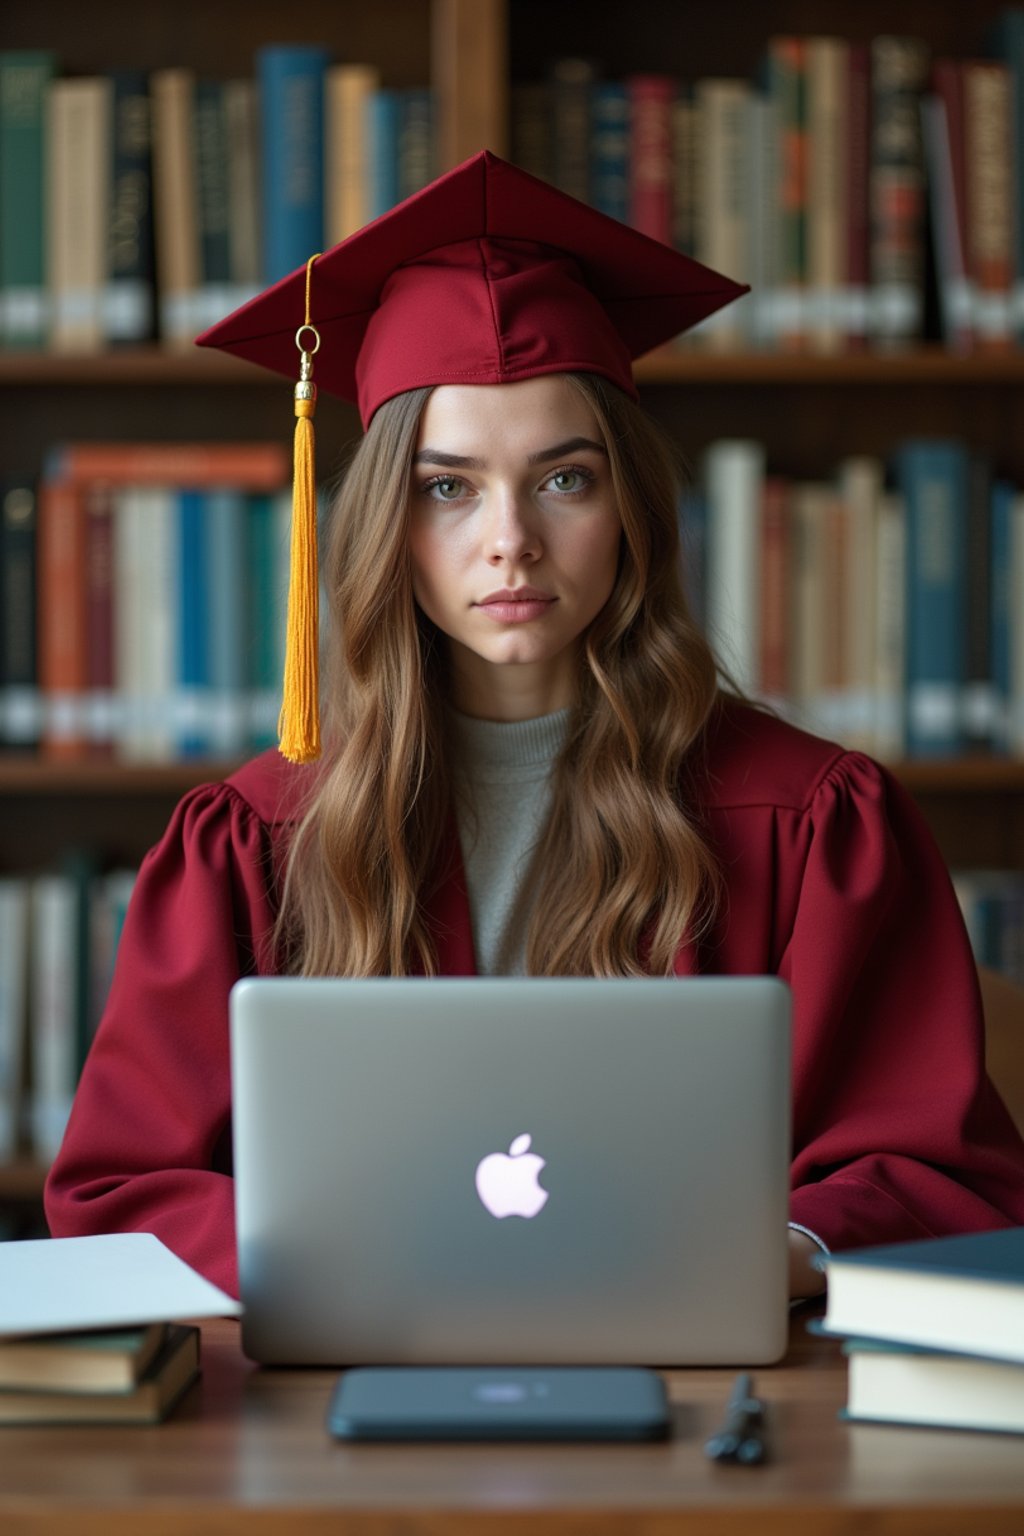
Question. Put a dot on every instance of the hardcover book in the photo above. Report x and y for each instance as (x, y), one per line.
(964, 1294)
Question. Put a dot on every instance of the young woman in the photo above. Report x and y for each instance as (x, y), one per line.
(530, 767)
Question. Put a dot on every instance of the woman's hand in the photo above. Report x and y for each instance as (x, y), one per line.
(804, 1279)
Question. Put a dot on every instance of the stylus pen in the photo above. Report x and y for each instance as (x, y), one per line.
(740, 1438)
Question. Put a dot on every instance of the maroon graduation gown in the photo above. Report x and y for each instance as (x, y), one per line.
(832, 881)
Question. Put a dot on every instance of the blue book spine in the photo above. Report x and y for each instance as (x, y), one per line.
(609, 149)
(291, 91)
(1006, 42)
(263, 676)
(225, 544)
(383, 132)
(192, 711)
(1001, 613)
(932, 476)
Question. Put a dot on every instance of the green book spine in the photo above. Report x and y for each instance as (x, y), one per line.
(24, 78)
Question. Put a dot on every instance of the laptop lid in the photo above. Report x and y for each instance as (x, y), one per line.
(512, 1171)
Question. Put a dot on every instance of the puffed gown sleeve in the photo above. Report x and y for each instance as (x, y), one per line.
(898, 1132)
(147, 1147)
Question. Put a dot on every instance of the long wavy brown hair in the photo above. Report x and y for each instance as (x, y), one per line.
(622, 873)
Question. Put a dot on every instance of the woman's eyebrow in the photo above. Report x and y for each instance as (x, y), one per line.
(544, 456)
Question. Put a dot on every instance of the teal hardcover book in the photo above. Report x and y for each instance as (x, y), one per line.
(964, 1294)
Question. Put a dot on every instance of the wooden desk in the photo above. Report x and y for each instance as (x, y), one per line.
(247, 1453)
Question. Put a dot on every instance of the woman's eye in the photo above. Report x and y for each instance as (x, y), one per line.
(569, 480)
(447, 487)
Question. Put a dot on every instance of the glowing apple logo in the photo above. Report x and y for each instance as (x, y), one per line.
(507, 1183)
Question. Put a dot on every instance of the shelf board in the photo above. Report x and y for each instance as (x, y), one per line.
(155, 365)
(41, 776)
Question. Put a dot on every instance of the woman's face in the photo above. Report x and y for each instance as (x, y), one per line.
(514, 538)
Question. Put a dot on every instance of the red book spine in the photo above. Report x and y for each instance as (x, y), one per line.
(988, 140)
(651, 167)
(775, 593)
(62, 623)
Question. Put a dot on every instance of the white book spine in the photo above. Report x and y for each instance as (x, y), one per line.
(53, 1046)
(734, 475)
(13, 1009)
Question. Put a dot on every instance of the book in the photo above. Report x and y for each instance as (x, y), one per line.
(942, 126)
(899, 75)
(21, 711)
(79, 162)
(415, 140)
(775, 640)
(988, 161)
(932, 476)
(129, 303)
(980, 700)
(724, 190)
(530, 128)
(650, 194)
(55, 949)
(14, 907)
(894, 1384)
(609, 151)
(176, 204)
(98, 578)
(383, 129)
(291, 95)
(25, 76)
(684, 169)
(890, 627)
(827, 76)
(856, 288)
(63, 652)
(347, 92)
(570, 83)
(784, 72)
(149, 1401)
(245, 252)
(860, 480)
(963, 1294)
(213, 200)
(1006, 42)
(734, 471)
(103, 1360)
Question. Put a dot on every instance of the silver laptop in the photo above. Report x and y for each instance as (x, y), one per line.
(505, 1171)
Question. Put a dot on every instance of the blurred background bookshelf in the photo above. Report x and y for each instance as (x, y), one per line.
(470, 73)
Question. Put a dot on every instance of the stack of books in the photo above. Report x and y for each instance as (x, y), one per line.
(934, 1330)
(91, 1330)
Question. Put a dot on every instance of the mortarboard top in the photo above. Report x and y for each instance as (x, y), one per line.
(485, 276)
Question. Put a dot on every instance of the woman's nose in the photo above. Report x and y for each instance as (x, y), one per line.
(512, 531)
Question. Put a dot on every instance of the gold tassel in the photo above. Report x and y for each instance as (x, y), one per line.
(298, 727)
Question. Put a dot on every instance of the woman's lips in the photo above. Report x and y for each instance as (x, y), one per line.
(515, 607)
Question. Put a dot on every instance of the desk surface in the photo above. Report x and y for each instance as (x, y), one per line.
(246, 1452)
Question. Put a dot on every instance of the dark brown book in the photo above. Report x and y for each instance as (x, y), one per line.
(169, 1376)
